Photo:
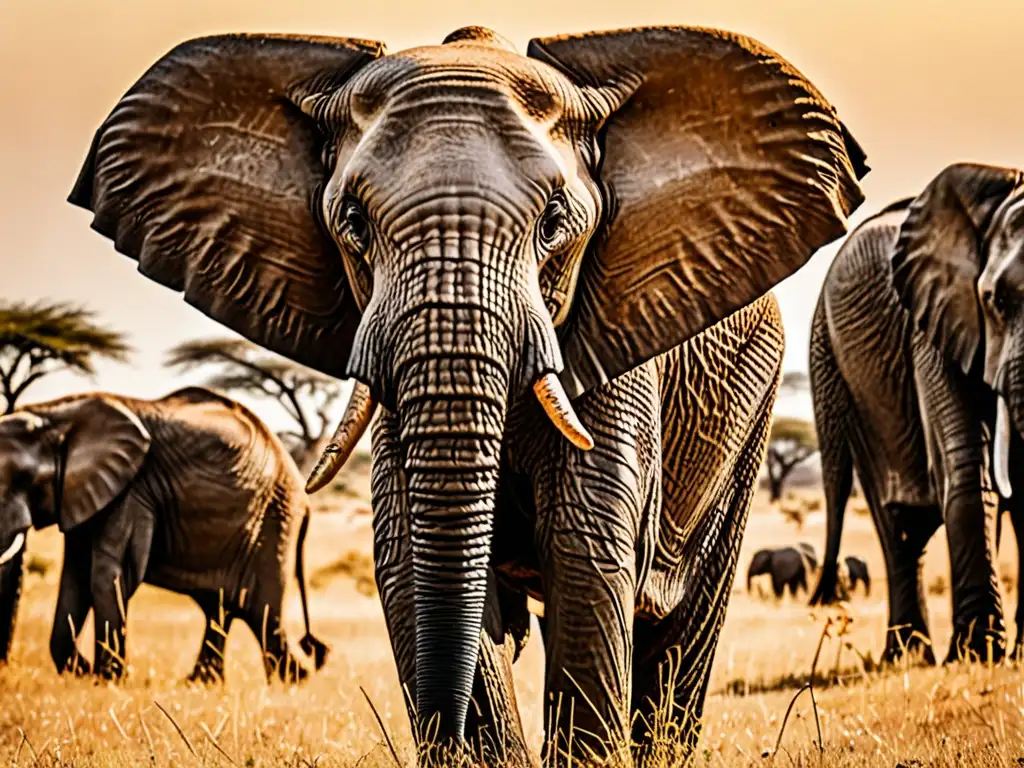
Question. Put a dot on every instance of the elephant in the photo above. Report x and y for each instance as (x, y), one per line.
(548, 276)
(190, 492)
(917, 376)
(853, 570)
(788, 567)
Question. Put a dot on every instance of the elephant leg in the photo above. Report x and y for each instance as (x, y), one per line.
(11, 578)
(586, 536)
(952, 411)
(778, 585)
(74, 601)
(120, 554)
(672, 658)
(904, 532)
(209, 666)
(262, 614)
(1015, 507)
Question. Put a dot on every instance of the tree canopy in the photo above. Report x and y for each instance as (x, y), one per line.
(790, 442)
(240, 366)
(45, 337)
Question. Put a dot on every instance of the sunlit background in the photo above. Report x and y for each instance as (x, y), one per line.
(920, 83)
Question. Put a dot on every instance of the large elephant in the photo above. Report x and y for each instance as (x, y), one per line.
(916, 362)
(190, 492)
(788, 567)
(503, 250)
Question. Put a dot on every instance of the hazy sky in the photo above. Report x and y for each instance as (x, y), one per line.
(920, 84)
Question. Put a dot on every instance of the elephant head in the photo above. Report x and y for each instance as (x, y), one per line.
(958, 268)
(61, 462)
(460, 228)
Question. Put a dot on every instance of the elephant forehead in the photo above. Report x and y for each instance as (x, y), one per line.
(460, 78)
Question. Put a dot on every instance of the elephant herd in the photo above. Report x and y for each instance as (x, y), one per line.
(548, 276)
(791, 568)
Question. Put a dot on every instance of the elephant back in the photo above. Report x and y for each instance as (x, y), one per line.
(222, 431)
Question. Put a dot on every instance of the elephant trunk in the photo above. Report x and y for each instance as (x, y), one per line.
(452, 415)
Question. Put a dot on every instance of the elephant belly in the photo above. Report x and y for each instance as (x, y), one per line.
(200, 549)
(714, 389)
(871, 338)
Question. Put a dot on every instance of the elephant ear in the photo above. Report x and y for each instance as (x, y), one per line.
(207, 172)
(104, 447)
(939, 255)
(723, 170)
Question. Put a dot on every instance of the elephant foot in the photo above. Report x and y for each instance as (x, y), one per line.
(290, 671)
(975, 642)
(110, 673)
(206, 674)
(907, 645)
(76, 666)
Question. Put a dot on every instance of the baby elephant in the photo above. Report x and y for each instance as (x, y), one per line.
(853, 570)
(190, 492)
(788, 567)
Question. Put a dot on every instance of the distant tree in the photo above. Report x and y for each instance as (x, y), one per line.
(242, 367)
(790, 442)
(43, 338)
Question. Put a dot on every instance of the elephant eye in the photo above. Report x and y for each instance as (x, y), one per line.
(355, 228)
(552, 221)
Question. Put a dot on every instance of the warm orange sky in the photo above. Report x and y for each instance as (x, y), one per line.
(921, 83)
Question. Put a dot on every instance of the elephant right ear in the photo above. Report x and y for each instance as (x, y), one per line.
(208, 172)
(938, 256)
(105, 445)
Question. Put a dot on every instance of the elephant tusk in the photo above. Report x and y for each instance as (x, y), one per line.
(353, 424)
(14, 549)
(556, 405)
(1001, 449)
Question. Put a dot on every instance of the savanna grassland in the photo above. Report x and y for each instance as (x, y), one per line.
(909, 716)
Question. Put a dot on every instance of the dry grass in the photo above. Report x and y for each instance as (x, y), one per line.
(910, 716)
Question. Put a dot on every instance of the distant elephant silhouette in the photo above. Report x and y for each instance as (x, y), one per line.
(788, 567)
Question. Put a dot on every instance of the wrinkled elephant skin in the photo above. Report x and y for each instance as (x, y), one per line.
(546, 274)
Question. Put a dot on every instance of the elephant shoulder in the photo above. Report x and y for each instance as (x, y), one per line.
(864, 258)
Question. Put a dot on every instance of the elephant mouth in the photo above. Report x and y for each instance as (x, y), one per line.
(16, 545)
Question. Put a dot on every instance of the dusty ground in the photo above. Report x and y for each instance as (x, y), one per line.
(913, 717)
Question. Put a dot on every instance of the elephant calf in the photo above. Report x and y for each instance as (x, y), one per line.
(190, 492)
(788, 567)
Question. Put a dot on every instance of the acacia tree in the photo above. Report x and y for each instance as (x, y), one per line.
(240, 366)
(43, 338)
(790, 442)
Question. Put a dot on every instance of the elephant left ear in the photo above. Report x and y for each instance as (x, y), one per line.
(723, 170)
(939, 255)
(105, 446)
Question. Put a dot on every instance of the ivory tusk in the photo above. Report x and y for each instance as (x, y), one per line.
(353, 424)
(1001, 449)
(556, 405)
(14, 549)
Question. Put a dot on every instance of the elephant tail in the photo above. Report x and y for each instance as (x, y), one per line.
(833, 410)
(309, 643)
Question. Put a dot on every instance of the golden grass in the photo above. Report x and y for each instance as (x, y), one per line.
(946, 716)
